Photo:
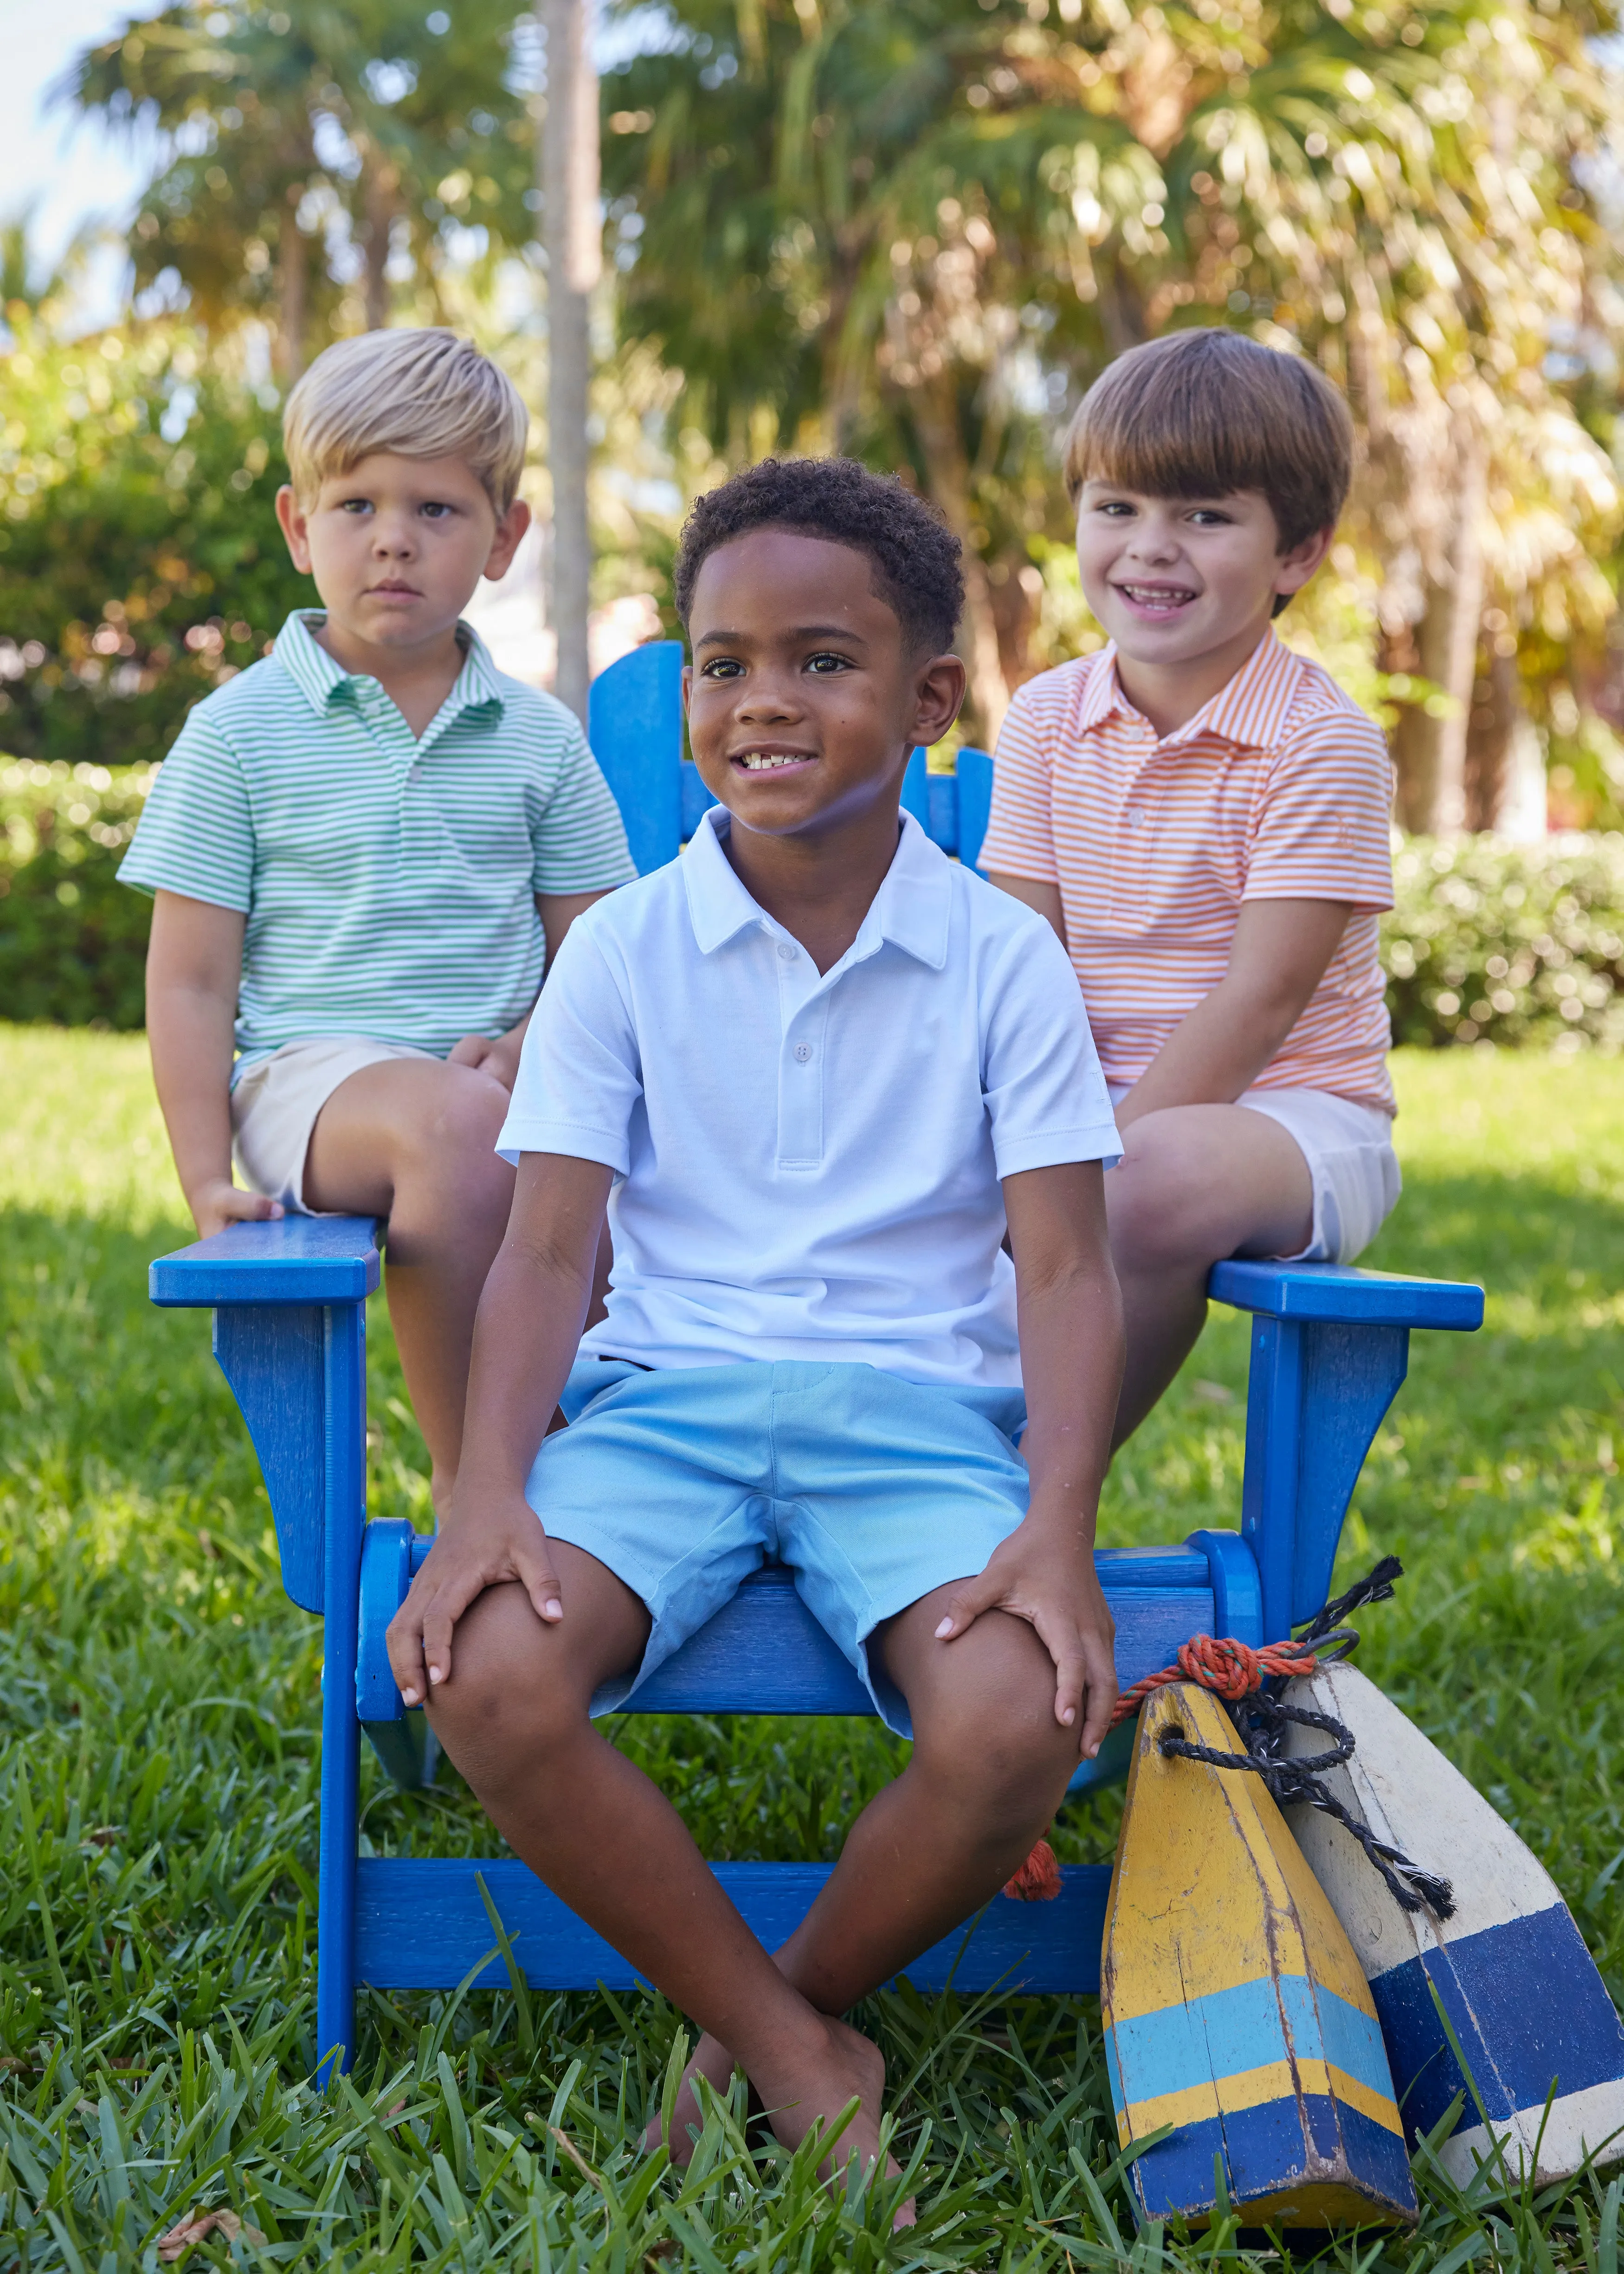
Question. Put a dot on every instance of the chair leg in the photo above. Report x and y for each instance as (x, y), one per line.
(341, 1766)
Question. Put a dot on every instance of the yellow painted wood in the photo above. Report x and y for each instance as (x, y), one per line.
(1235, 2006)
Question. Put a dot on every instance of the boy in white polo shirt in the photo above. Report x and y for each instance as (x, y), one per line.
(364, 850)
(816, 1069)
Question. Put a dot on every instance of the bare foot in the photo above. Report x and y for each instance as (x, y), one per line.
(846, 2067)
(713, 2062)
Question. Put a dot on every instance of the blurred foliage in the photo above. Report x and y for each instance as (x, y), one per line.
(1519, 944)
(917, 230)
(72, 938)
(312, 157)
(140, 561)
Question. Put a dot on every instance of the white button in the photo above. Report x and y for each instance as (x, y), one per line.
(786, 951)
(803, 1051)
(1134, 817)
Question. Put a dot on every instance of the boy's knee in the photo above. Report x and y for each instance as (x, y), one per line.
(459, 1132)
(509, 1701)
(991, 1735)
(1149, 1198)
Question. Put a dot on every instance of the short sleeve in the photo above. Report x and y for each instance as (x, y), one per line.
(578, 838)
(579, 1074)
(1323, 827)
(196, 834)
(1045, 1094)
(1021, 830)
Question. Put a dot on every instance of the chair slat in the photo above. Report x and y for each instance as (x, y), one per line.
(421, 1924)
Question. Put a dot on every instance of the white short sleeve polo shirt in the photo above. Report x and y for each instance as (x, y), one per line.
(808, 1167)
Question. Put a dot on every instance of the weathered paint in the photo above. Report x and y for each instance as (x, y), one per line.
(1234, 2005)
(1527, 2005)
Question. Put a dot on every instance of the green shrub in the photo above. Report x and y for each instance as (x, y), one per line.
(72, 938)
(1514, 944)
(1517, 946)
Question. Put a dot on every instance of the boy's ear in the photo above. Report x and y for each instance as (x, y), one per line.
(939, 694)
(1298, 564)
(295, 527)
(510, 535)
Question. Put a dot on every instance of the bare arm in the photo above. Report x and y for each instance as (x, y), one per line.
(1044, 898)
(194, 967)
(1278, 957)
(529, 1325)
(1070, 1313)
(499, 1054)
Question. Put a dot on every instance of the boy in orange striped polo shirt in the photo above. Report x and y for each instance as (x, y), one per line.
(1203, 815)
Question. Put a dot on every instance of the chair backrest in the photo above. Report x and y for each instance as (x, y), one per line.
(634, 724)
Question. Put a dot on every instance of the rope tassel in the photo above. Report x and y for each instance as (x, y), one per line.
(1233, 1671)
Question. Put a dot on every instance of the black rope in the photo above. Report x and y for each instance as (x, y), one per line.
(1262, 1721)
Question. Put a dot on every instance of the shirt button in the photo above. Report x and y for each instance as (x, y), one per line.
(1134, 817)
(786, 954)
(803, 1051)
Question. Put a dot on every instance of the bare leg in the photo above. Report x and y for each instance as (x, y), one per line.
(990, 1766)
(414, 1140)
(513, 1718)
(1197, 1183)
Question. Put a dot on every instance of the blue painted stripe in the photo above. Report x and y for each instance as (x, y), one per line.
(1265, 2149)
(1113, 2071)
(1527, 2006)
(1229, 2031)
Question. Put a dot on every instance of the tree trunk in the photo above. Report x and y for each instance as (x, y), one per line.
(1431, 753)
(935, 407)
(382, 204)
(572, 241)
(292, 284)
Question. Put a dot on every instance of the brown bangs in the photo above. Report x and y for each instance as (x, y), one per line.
(1201, 413)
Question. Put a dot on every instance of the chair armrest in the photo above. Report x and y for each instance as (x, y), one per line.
(298, 1258)
(1337, 1294)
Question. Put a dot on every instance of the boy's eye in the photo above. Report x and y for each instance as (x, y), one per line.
(356, 506)
(1209, 516)
(434, 510)
(1115, 508)
(824, 663)
(721, 667)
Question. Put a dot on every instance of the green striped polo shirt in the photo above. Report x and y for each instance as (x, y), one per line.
(389, 882)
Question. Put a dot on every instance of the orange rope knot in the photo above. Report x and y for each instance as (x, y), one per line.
(1218, 1662)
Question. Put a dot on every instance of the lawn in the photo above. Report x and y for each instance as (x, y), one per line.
(160, 1702)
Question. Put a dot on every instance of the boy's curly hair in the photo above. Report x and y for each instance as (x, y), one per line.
(914, 558)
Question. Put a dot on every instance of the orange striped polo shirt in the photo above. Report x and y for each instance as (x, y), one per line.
(1279, 789)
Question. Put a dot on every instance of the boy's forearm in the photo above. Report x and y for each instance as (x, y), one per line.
(189, 1033)
(1071, 1361)
(1210, 1055)
(529, 1328)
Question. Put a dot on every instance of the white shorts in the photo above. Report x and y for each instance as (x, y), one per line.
(1348, 1150)
(275, 1106)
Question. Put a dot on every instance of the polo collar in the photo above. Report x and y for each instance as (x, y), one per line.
(318, 676)
(1249, 710)
(912, 909)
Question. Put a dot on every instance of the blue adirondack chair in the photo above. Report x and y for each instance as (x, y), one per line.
(1329, 1349)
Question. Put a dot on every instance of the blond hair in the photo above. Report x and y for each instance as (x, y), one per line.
(1203, 413)
(422, 393)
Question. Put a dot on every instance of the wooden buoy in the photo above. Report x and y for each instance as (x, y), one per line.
(1527, 2005)
(1234, 2009)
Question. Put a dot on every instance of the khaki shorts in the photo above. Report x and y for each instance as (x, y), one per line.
(1348, 1150)
(275, 1106)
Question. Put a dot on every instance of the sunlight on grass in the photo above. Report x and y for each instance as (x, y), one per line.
(161, 1705)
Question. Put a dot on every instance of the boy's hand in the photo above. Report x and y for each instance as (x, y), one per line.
(500, 1543)
(498, 1054)
(1041, 1574)
(221, 1202)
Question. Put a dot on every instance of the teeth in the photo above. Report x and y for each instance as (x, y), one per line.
(1157, 596)
(757, 762)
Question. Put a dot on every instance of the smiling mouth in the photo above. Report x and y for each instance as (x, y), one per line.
(1163, 599)
(767, 761)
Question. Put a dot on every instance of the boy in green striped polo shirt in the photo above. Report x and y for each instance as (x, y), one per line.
(364, 850)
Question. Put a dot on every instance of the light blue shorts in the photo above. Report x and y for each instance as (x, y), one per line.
(871, 1490)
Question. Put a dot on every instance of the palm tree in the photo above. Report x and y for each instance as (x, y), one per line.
(278, 126)
(917, 228)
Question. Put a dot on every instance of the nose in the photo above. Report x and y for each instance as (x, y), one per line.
(768, 695)
(1154, 541)
(395, 536)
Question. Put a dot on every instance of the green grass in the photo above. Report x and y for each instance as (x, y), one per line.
(158, 1771)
